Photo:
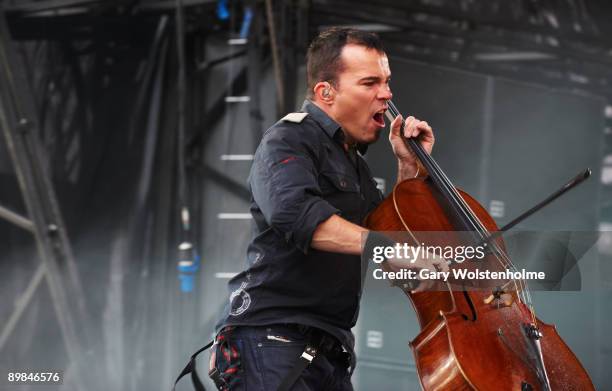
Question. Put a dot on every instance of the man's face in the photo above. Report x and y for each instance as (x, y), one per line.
(361, 92)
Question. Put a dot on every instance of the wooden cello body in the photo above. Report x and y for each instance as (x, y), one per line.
(468, 341)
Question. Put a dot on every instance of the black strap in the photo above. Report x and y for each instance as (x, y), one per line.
(302, 362)
(191, 368)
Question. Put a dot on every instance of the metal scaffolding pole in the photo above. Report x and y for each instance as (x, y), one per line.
(19, 125)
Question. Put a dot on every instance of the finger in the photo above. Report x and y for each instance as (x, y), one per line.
(423, 286)
(441, 265)
(396, 125)
(406, 123)
(425, 135)
(415, 127)
(438, 262)
(423, 126)
(409, 127)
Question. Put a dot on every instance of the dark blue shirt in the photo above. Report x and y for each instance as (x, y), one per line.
(302, 175)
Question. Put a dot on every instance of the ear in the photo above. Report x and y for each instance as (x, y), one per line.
(324, 92)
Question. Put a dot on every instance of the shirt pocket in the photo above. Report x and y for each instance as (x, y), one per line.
(343, 193)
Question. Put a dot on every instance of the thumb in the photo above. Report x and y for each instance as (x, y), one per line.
(396, 125)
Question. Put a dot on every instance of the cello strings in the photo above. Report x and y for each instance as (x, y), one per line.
(523, 293)
(501, 256)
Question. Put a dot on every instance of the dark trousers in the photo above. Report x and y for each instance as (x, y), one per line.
(259, 357)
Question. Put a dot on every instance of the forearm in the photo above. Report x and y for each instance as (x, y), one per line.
(338, 235)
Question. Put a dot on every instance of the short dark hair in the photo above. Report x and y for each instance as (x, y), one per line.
(323, 62)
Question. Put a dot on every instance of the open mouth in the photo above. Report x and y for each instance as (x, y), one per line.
(379, 118)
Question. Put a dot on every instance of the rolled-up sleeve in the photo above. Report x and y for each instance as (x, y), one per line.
(284, 183)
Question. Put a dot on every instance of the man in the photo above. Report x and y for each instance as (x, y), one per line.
(311, 189)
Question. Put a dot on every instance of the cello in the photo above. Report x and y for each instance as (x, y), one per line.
(472, 337)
